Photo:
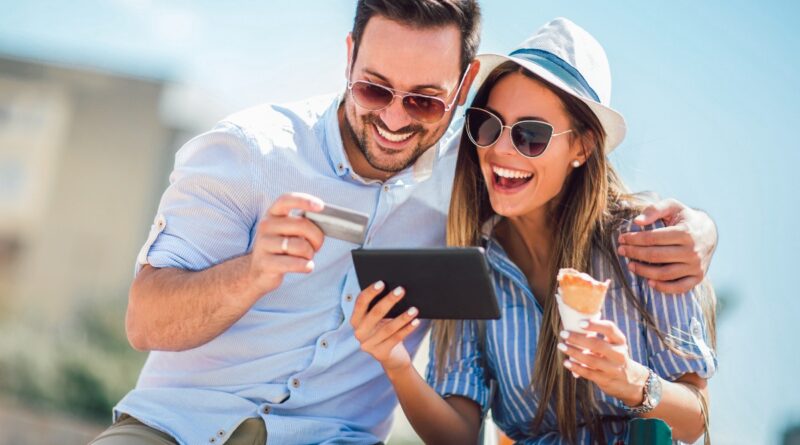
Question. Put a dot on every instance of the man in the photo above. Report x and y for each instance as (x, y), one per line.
(244, 306)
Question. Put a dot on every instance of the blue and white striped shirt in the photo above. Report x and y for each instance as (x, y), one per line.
(292, 358)
(507, 352)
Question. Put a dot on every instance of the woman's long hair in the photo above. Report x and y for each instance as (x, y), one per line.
(595, 203)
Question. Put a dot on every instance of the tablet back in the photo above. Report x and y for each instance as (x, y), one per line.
(445, 283)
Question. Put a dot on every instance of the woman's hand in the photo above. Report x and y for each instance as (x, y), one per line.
(383, 338)
(605, 361)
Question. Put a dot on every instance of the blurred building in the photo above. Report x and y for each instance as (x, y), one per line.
(84, 156)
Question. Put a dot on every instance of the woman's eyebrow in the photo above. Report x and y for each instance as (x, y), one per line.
(523, 118)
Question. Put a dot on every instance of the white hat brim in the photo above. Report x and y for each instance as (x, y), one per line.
(612, 121)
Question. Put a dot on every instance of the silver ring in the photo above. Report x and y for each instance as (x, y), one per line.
(285, 245)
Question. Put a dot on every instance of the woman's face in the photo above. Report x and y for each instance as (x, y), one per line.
(520, 186)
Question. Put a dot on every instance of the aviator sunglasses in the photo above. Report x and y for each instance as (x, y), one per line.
(529, 138)
(421, 107)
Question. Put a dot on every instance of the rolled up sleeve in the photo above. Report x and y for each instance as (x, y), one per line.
(679, 317)
(206, 214)
(464, 374)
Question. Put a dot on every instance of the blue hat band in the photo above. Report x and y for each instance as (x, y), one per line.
(557, 66)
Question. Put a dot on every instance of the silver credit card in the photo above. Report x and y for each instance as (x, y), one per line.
(341, 223)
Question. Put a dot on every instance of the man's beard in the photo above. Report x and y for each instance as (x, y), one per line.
(363, 139)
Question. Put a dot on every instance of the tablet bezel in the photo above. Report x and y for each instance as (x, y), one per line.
(443, 283)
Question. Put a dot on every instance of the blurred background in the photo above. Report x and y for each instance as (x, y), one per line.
(96, 97)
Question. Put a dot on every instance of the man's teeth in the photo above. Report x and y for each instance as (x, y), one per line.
(513, 174)
(394, 137)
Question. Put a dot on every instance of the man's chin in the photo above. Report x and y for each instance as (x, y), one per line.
(389, 160)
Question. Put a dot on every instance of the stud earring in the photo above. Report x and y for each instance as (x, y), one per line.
(576, 164)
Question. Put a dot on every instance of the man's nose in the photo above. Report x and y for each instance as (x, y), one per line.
(395, 116)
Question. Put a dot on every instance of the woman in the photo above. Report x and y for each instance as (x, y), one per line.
(533, 186)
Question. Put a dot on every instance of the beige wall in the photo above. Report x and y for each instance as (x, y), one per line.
(112, 161)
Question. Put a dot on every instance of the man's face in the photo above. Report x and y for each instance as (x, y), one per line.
(423, 61)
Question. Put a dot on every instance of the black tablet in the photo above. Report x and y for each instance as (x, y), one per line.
(445, 283)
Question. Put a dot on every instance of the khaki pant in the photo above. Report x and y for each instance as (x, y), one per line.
(129, 431)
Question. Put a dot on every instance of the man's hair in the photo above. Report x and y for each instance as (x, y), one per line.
(464, 14)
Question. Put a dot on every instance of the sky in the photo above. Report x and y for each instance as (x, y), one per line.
(709, 91)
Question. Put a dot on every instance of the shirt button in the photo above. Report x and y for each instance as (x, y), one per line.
(213, 440)
(221, 433)
(386, 188)
(324, 343)
(340, 166)
(296, 383)
(266, 410)
(348, 298)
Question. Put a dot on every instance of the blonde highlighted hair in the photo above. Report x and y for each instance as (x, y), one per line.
(594, 205)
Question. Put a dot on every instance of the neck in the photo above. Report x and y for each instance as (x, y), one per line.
(529, 241)
(357, 159)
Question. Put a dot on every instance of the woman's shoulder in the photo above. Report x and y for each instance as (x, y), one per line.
(607, 263)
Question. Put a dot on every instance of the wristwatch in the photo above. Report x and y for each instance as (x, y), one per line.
(652, 395)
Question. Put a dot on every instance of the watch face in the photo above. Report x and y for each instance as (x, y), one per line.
(653, 390)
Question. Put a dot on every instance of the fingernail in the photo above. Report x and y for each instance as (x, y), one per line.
(379, 285)
(318, 204)
(640, 218)
(621, 250)
(415, 322)
(564, 335)
(575, 375)
(398, 291)
(651, 283)
(562, 347)
(567, 364)
(412, 311)
(631, 267)
(310, 265)
(583, 324)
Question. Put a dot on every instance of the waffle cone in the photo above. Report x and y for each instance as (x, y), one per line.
(581, 292)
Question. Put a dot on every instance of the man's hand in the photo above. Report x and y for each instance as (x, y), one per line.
(284, 243)
(678, 255)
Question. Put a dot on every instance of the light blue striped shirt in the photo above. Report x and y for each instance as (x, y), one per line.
(292, 358)
(506, 353)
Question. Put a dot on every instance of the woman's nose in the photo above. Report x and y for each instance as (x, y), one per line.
(504, 144)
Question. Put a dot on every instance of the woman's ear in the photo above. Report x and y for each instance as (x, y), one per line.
(582, 148)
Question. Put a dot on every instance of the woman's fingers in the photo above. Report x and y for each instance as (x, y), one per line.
(586, 358)
(579, 370)
(390, 328)
(608, 328)
(383, 349)
(595, 345)
(362, 302)
(381, 308)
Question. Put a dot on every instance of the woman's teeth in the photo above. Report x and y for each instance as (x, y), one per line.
(511, 174)
(393, 137)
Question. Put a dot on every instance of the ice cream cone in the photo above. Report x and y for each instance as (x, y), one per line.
(580, 297)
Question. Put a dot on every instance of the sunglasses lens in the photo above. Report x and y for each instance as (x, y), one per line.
(423, 108)
(370, 96)
(483, 128)
(531, 138)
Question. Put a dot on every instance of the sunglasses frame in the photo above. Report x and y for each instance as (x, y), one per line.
(510, 128)
(403, 94)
